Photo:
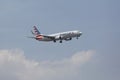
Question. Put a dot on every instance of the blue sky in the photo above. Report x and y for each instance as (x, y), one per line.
(97, 19)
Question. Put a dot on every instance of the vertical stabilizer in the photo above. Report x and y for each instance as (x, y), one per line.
(35, 31)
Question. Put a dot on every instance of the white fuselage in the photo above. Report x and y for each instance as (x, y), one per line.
(54, 37)
(62, 36)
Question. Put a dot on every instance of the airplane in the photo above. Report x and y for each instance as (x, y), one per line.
(55, 37)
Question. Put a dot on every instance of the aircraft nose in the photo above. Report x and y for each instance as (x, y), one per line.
(80, 33)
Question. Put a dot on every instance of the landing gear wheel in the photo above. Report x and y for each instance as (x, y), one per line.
(54, 41)
(61, 41)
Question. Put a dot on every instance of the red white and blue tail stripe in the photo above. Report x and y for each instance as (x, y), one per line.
(37, 34)
(35, 31)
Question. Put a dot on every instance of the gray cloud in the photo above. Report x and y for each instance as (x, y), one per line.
(15, 66)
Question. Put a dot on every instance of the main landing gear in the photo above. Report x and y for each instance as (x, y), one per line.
(54, 41)
(60, 41)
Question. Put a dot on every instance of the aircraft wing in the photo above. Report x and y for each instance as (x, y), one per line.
(50, 37)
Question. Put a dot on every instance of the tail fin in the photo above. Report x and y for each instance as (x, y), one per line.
(35, 31)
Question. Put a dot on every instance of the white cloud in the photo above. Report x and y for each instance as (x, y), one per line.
(15, 66)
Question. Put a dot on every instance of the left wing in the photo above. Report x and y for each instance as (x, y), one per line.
(50, 37)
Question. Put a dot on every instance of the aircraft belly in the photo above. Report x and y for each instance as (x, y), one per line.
(45, 39)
